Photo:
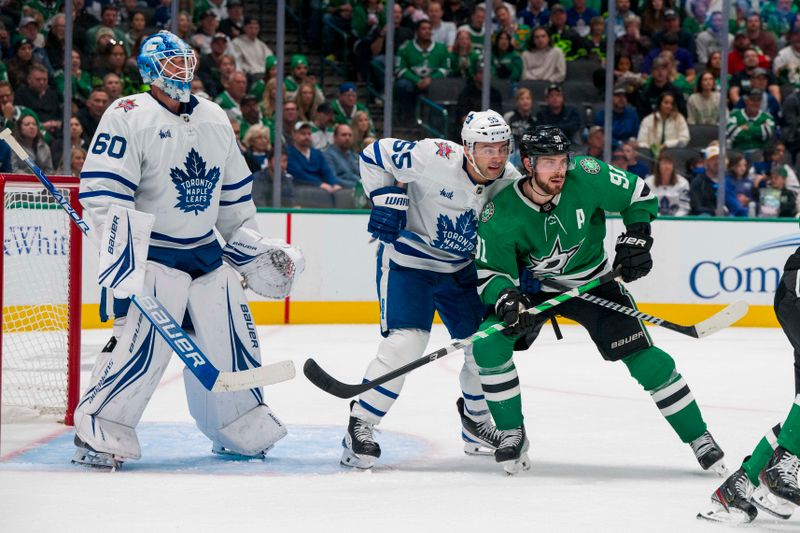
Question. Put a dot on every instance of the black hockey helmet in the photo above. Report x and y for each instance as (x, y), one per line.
(544, 140)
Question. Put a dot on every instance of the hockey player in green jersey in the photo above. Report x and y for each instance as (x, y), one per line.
(551, 225)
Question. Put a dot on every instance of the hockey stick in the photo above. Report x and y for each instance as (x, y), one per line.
(212, 379)
(720, 320)
(331, 385)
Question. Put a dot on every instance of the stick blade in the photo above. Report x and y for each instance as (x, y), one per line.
(328, 383)
(727, 317)
(254, 377)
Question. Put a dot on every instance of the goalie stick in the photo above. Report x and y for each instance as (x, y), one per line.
(212, 379)
(331, 385)
(718, 321)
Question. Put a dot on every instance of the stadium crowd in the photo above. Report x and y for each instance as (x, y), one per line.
(547, 65)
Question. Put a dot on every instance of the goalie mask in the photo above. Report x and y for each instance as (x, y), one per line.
(167, 62)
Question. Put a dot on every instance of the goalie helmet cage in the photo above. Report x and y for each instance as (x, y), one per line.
(40, 294)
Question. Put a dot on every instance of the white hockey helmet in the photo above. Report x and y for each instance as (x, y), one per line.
(484, 126)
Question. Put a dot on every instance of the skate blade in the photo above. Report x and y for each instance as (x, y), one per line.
(515, 467)
(96, 461)
(724, 516)
(772, 504)
(477, 450)
(225, 452)
(719, 468)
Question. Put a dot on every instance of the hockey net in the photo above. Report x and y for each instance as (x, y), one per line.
(41, 301)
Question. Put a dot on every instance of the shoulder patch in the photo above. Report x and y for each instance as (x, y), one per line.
(487, 212)
(443, 149)
(126, 104)
(590, 166)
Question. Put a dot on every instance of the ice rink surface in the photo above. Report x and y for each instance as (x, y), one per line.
(603, 457)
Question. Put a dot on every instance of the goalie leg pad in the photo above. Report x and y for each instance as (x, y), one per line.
(224, 329)
(124, 380)
(400, 347)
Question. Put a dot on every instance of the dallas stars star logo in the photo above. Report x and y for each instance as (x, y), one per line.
(553, 263)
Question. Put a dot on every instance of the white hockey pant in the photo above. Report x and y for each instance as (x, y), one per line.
(224, 329)
(123, 380)
(399, 348)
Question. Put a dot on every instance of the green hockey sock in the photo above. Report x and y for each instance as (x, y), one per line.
(501, 388)
(790, 433)
(754, 464)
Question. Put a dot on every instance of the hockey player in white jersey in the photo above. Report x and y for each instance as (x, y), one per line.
(426, 198)
(168, 160)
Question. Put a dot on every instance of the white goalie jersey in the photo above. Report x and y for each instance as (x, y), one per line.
(186, 170)
(445, 203)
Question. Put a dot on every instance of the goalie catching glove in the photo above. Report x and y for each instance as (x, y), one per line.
(510, 308)
(633, 252)
(268, 266)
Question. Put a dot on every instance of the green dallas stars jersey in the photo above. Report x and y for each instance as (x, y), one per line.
(566, 243)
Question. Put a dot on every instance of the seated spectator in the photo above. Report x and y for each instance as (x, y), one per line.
(632, 43)
(339, 17)
(471, 97)
(299, 68)
(362, 129)
(77, 139)
(683, 58)
(251, 116)
(521, 117)
(579, 17)
(442, 31)
(703, 187)
(775, 156)
(113, 85)
(290, 118)
(556, 113)
(347, 105)
(81, 80)
(671, 189)
(759, 37)
(698, 11)
(307, 102)
(28, 28)
(505, 23)
(624, 11)
(307, 164)
(710, 39)
(42, 99)
(237, 131)
(618, 159)
(739, 187)
(776, 200)
(541, 61)
(595, 142)
(653, 16)
(207, 29)
(54, 45)
(787, 63)
(216, 67)
(769, 103)
(750, 128)
(741, 80)
(270, 70)
(263, 186)
(561, 35)
(258, 146)
(677, 79)
(27, 133)
(250, 50)
(19, 65)
(231, 97)
(624, 76)
(418, 63)
(89, 116)
(475, 27)
(108, 23)
(594, 44)
(322, 132)
(704, 104)
(632, 162)
(10, 113)
(233, 25)
(371, 14)
(370, 51)
(136, 30)
(535, 14)
(113, 58)
(779, 16)
(506, 61)
(665, 128)
(461, 55)
(341, 157)
(657, 84)
(624, 119)
(76, 160)
(672, 24)
(741, 44)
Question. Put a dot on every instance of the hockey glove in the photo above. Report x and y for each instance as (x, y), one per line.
(388, 215)
(510, 308)
(633, 252)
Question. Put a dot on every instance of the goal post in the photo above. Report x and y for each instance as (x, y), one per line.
(41, 300)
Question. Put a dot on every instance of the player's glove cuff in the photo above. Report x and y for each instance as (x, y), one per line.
(388, 215)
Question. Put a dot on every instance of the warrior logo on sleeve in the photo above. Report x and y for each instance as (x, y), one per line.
(195, 185)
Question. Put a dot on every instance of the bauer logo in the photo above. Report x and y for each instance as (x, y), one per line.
(195, 184)
(754, 271)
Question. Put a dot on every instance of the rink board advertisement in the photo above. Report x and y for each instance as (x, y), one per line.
(700, 266)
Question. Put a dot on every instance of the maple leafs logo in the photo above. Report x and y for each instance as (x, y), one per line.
(459, 236)
(195, 186)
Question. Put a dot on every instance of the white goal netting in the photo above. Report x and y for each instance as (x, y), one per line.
(35, 299)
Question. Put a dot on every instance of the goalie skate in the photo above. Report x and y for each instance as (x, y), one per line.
(731, 501)
(480, 438)
(85, 455)
(512, 452)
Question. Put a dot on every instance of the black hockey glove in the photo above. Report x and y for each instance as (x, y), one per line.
(633, 252)
(510, 307)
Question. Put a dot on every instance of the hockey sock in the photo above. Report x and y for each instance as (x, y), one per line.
(789, 437)
(755, 463)
(501, 388)
(655, 371)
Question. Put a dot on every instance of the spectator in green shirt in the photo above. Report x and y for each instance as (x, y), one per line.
(418, 62)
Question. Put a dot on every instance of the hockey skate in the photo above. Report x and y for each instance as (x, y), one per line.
(731, 501)
(779, 478)
(219, 449)
(709, 454)
(360, 448)
(771, 504)
(512, 452)
(87, 456)
(480, 438)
